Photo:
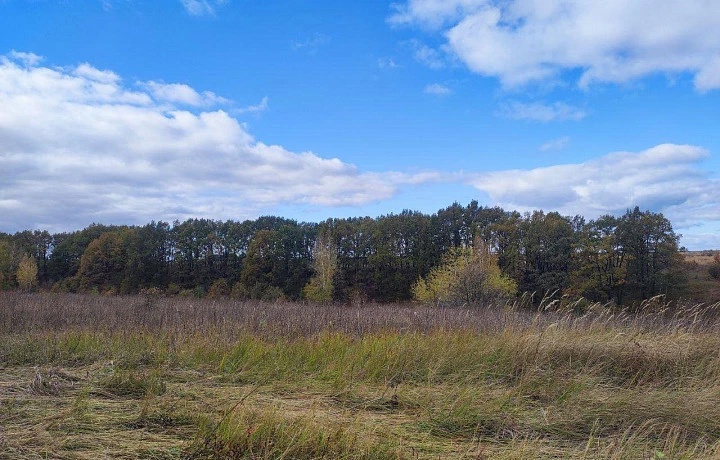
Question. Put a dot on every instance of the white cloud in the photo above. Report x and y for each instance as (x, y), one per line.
(263, 106)
(555, 144)
(76, 146)
(426, 55)
(176, 93)
(520, 41)
(437, 89)
(28, 59)
(202, 7)
(663, 178)
(91, 73)
(432, 13)
(541, 112)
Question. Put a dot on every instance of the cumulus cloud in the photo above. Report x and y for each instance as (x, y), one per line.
(78, 146)
(663, 178)
(521, 41)
(541, 112)
(25, 58)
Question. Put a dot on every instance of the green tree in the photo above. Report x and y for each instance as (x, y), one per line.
(257, 271)
(6, 264)
(68, 249)
(600, 268)
(467, 276)
(325, 263)
(27, 273)
(654, 262)
(547, 250)
(102, 266)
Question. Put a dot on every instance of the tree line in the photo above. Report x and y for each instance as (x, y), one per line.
(623, 259)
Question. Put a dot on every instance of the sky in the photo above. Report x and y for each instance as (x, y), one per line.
(128, 111)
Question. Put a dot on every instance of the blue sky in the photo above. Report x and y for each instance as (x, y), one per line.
(125, 111)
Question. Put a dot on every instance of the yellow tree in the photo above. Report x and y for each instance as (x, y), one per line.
(466, 276)
(325, 259)
(27, 273)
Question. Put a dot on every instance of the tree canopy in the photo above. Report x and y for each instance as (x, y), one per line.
(624, 258)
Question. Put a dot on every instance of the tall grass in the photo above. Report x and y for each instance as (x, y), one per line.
(573, 380)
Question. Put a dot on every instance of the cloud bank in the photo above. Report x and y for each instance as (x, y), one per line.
(78, 146)
(663, 178)
(523, 41)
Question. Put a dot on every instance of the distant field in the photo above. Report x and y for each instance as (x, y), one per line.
(86, 377)
(701, 286)
(699, 257)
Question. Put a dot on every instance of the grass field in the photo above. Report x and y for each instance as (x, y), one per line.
(701, 286)
(91, 377)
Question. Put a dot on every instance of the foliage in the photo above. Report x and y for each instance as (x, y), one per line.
(623, 259)
(27, 273)
(600, 269)
(219, 289)
(654, 264)
(102, 266)
(6, 264)
(467, 276)
(325, 263)
(628, 259)
(547, 248)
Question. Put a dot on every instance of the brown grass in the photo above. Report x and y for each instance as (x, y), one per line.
(152, 377)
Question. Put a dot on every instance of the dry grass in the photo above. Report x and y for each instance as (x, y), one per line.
(701, 286)
(137, 377)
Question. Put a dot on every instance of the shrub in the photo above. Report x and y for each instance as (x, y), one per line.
(219, 289)
(239, 291)
(173, 289)
(467, 276)
(714, 269)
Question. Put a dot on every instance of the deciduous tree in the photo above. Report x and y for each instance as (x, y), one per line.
(27, 273)
(467, 276)
(325, 263)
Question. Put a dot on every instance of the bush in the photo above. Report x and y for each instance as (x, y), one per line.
(467, 276)
(198, 292)
(714, 269)
(315, 291)
(219, 289)
(173, 289)
(239, 291)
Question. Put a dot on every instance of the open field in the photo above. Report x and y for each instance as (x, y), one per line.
(148, 377)
(701, 286)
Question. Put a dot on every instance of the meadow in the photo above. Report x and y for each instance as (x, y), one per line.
(146, 376)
